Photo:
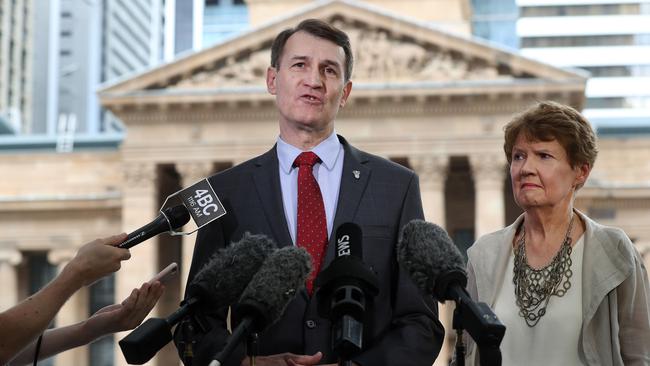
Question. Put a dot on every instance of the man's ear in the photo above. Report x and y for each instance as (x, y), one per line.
(271, 76)
(346, 93)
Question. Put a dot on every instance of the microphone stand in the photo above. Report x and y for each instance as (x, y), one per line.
(482, 325)
(348, 304)
(346, 291)
(487, 341)
(242, 329)
(252, 347)
(148, 338)
(460, 345)
(187, 331)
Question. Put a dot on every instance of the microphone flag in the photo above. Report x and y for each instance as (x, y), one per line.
(201, 202)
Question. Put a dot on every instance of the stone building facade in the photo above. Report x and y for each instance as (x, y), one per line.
(430, 98)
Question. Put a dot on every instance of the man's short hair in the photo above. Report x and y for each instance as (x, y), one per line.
(316, 28)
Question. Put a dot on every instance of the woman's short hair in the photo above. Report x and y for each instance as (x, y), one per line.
(548, 121)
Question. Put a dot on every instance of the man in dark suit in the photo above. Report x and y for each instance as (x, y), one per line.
(310, 182)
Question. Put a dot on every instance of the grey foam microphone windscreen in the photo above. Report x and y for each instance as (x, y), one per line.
(223, 278)
(426, 251)
(274, 286)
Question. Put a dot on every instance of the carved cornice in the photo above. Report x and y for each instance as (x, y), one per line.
(161, 111)
(362, 106)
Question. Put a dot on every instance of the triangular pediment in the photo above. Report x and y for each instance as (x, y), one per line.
(389, 51)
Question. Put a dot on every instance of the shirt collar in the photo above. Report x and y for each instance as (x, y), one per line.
(328, 151)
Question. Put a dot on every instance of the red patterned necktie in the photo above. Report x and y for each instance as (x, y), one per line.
(312, 224)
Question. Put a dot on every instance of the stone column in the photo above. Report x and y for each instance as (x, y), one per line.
(9, 259)
(139, 206)
(488, 171)
(190, 172)
(73, 311)
(432, 170)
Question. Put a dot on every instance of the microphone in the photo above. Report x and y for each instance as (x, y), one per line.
(428, 254)
(436, 266)
(169, 219)
(267, 295)
(219, 283)
(198, 201)
(347, 287)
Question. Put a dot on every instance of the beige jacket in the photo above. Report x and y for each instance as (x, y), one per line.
(615, 292)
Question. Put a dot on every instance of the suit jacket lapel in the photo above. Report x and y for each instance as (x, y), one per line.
(354, 180)
(267, 183)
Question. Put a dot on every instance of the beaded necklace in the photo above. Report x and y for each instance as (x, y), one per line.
(534, 287)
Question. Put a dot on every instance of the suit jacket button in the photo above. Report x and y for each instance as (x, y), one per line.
(310, 324)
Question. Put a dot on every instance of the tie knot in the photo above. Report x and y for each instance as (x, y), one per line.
(308, 158)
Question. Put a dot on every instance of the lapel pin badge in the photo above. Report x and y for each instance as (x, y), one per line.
(357, 174)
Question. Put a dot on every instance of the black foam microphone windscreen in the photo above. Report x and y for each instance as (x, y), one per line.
(427, 253)
(274, 286)
(436, 266)
(267, 295)
(224, 277)
(219, 283)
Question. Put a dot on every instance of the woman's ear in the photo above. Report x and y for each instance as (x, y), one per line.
(583, 171)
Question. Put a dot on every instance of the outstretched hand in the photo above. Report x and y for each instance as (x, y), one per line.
(128, 314)
(113, 318)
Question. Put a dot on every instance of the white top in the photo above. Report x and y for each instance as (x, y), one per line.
(554, 339)
(327, 174)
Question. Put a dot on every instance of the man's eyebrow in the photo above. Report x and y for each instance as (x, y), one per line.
(326, 62)
(298, 58)
(331, 63)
